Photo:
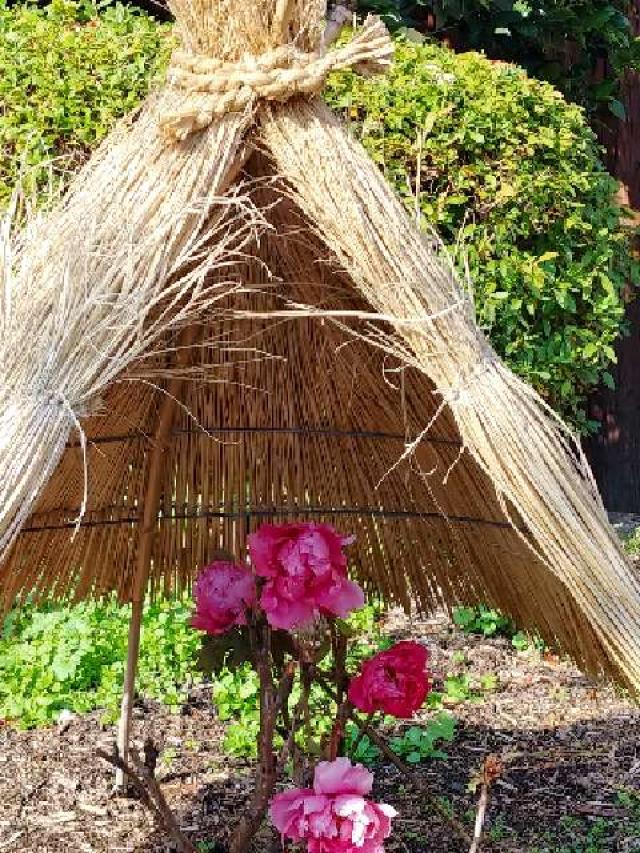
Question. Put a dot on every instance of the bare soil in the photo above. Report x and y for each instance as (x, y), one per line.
(570, 752)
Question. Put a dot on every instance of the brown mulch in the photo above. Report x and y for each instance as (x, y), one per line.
(570, 752)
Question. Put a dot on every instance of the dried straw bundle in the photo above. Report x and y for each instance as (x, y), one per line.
(144, 242)
(529, 455)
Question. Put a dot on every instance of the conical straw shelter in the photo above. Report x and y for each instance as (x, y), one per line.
(229, 318)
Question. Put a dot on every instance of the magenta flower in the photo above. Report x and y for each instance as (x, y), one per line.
(334, 816)
(394, 681)
(306, 573)
(223, 593)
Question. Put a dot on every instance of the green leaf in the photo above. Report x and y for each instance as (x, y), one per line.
(618, 109)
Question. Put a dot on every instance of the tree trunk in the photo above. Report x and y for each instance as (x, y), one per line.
(615, 452)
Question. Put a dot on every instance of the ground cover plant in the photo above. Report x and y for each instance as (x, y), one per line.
(57, 657)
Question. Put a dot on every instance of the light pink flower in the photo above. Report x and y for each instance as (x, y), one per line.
(394, 681)
(306, 573)
(223, 593)
(334, 816)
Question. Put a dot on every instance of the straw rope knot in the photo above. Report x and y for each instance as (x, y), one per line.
(216, 87)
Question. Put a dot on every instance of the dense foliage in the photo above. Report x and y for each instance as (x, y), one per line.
(498, 161)
(504, 167)
(55, 658)
(66, 74)
(582, 46)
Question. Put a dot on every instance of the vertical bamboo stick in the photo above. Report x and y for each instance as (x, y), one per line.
(153, 490)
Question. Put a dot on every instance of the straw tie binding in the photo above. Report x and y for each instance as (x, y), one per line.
(277, 75)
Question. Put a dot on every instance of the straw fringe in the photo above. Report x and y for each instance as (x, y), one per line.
(94, 284)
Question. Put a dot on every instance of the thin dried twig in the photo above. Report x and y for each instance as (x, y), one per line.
(145, 783)
(491, 770)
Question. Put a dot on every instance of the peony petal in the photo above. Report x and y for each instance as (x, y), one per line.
(342, 777)
(387, 810)
(287, 811)
(223, 591)
(341, 599)
(283, 612)
(360, 696)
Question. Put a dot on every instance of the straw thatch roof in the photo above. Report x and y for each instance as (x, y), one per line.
(230, 319)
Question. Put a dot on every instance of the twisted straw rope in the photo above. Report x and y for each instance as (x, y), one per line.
(277, 75)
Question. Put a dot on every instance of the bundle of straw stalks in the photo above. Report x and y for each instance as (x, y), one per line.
(236, 204)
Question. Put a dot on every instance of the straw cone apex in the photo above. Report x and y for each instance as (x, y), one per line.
(230, 29)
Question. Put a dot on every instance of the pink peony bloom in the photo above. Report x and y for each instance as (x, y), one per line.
(334, 816)
(223, 593)
(394, 681)
(306, 573)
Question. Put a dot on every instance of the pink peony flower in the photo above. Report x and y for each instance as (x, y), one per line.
(223, 593)
(394, 681)
(334, 816)
(306, 573)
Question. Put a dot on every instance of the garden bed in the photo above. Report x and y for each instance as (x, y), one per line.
(570, 753)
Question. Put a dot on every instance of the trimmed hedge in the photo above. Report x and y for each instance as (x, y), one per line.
(506, 166)
(66, 74)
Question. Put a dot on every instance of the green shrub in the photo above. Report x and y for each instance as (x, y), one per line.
(57, 657)
(66, 74)
(503, 164)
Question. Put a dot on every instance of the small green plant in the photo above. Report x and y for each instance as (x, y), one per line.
(460, 686)
(419, 743)
(206, 846)
(61, 657)
(236, 698)
(498, 829)
(631, 543)
(360, 748)
(482, 620)
(489, 622)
